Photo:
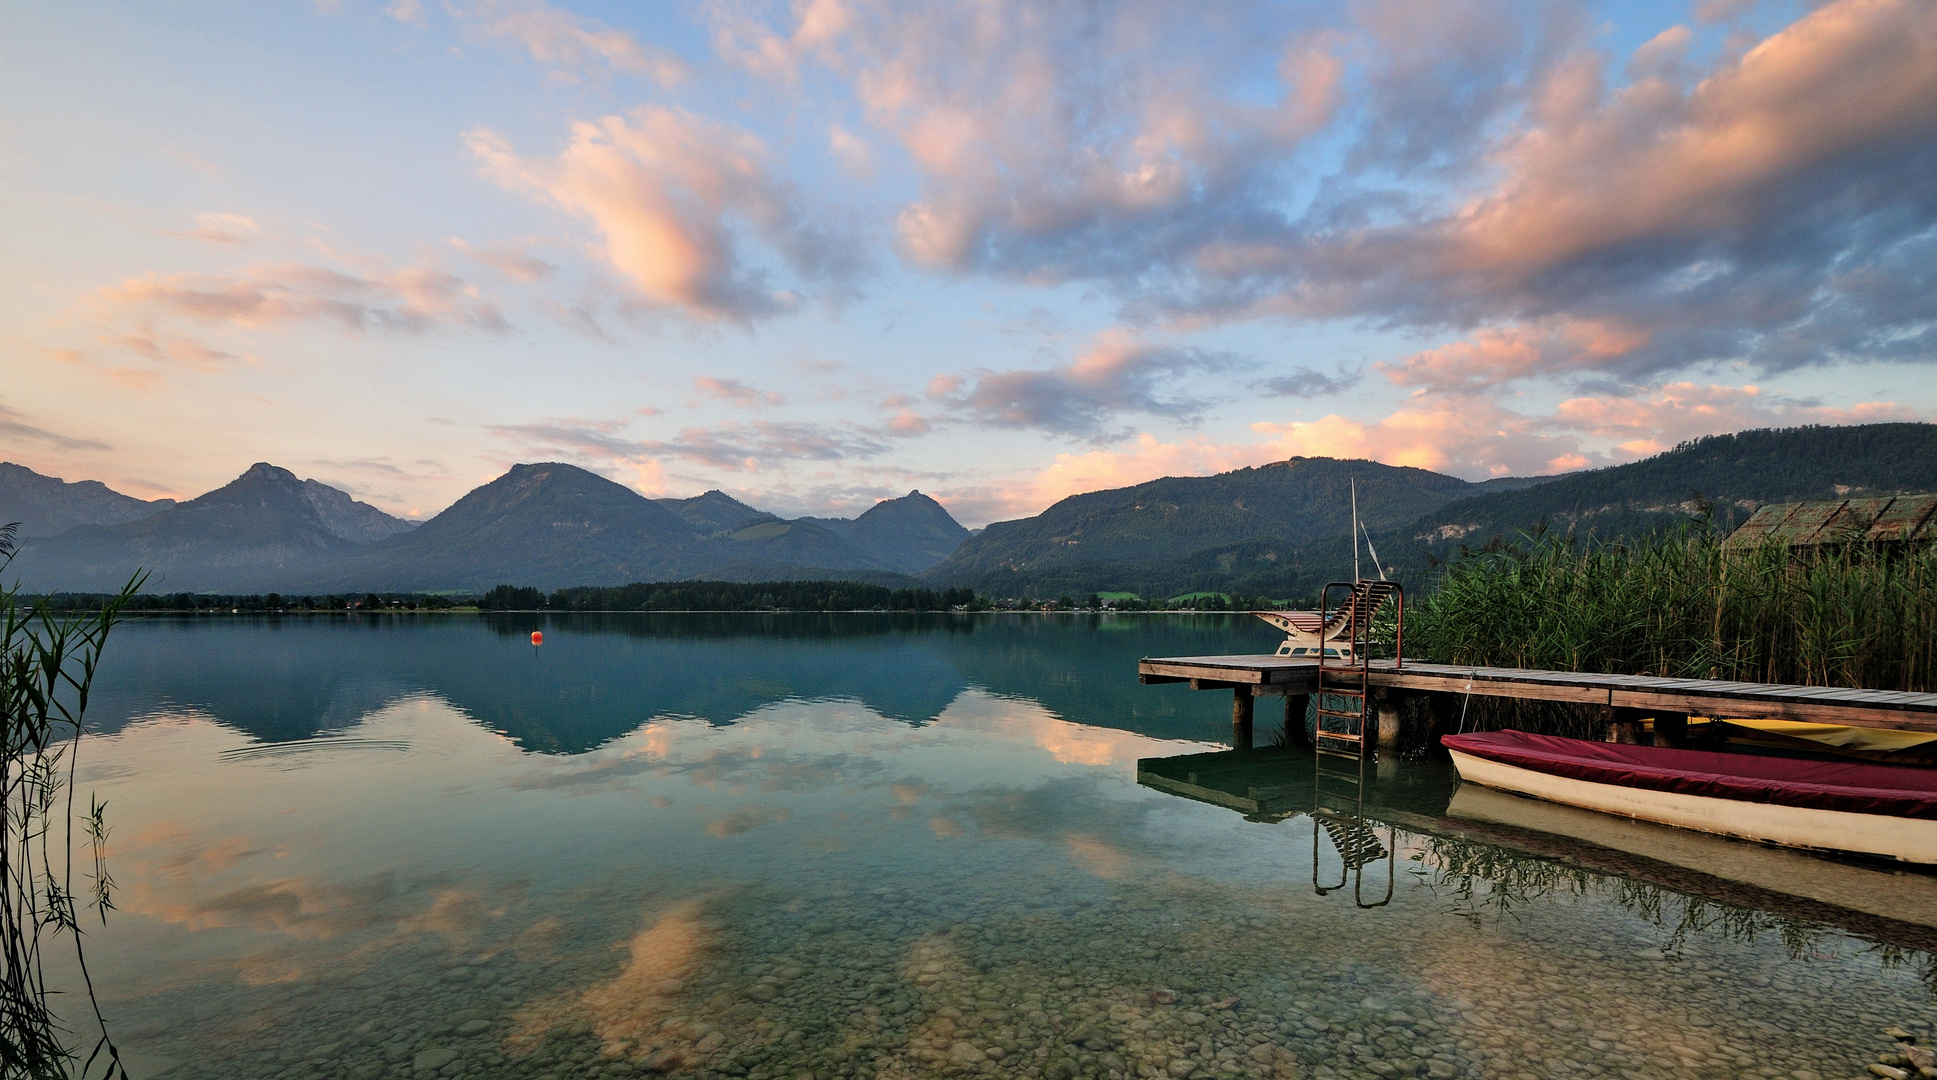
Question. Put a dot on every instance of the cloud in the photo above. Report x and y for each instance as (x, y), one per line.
(1469, 438)
(1466, 166)
(1147, 459)
(15, 429)
(226, 230)
(735, 447)
(1745, 146)
(1676, 412)
(597, 444)
(513, 260)
(735, 392)
(1780, 209)
(595, 439)
(1120, 373)
(1305, 382)
(1054, 139)
(853, 152)
(163, 348)
(908, 422)
(406, 11)
(569, 43)
(1498, 355)
(409, 300)
(765, 444)
(1712, 11)
(672, 194)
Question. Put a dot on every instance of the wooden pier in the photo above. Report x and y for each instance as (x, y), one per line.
(1624, 699)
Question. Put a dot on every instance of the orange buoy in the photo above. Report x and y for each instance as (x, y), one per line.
(537, 638)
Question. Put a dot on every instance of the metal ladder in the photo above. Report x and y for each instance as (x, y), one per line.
(1358, 844)
(1341, 732)
(1342, 686)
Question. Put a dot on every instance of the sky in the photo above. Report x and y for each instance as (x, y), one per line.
(821, 253)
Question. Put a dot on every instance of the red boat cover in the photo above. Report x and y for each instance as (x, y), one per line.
(1859, 787)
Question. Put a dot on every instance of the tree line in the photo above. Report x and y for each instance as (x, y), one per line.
(651, 596)
(255, 603)
(733, 596)
(825, 596)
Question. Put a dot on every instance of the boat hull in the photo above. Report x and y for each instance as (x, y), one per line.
(1908, 839)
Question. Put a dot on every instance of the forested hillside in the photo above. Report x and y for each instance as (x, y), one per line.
(1723, 477)
(1117, 540)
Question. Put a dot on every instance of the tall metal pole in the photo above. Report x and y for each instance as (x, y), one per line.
(1355, 530)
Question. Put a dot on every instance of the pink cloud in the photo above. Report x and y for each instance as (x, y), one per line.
(411, 299)
(1150, 458)
(1468, 438)
(735, 392)
(567, 42)
(224, 230)
(1755, 204)
(513, 260)
(1677, 412)
(669, 192)
(1500, 354)
(1119, 372)
(908, 422)
(1036, 126)
(1657, 162)
(409, 12)
(174, 350)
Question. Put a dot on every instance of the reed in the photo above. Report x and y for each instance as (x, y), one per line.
(1487, 882)
(1682, 604)
(47, 663)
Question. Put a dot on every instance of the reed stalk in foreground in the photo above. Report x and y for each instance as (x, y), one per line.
(1681, 604)
(47, 664)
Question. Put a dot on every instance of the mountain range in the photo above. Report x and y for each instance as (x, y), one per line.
(1281, 529)
(44, 505)
(550, 525)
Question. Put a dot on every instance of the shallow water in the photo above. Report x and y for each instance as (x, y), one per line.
(863, 846)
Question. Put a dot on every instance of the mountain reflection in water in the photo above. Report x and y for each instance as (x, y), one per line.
(880, 848)
(599, 676)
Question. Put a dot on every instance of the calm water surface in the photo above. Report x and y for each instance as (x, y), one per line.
(877, 846)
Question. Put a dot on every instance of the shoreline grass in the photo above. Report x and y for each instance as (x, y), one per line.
(1683, 604)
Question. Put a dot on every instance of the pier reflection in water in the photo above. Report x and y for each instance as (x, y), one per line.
(883, 848)
(1495, 852)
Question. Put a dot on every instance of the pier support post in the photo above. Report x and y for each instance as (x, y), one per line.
(1623, 725)
(1296, 705)
(1242, 705)
(1671, 729)
(1385, 709)
(1444, 710)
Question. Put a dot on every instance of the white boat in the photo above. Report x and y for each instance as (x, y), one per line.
(1847, 806)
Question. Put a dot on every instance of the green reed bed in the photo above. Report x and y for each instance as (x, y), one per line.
(1682, 604)
(47, 663)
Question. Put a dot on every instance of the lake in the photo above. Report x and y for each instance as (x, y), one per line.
(782, 846)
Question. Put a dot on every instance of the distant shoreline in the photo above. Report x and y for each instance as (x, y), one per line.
(212, 613)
